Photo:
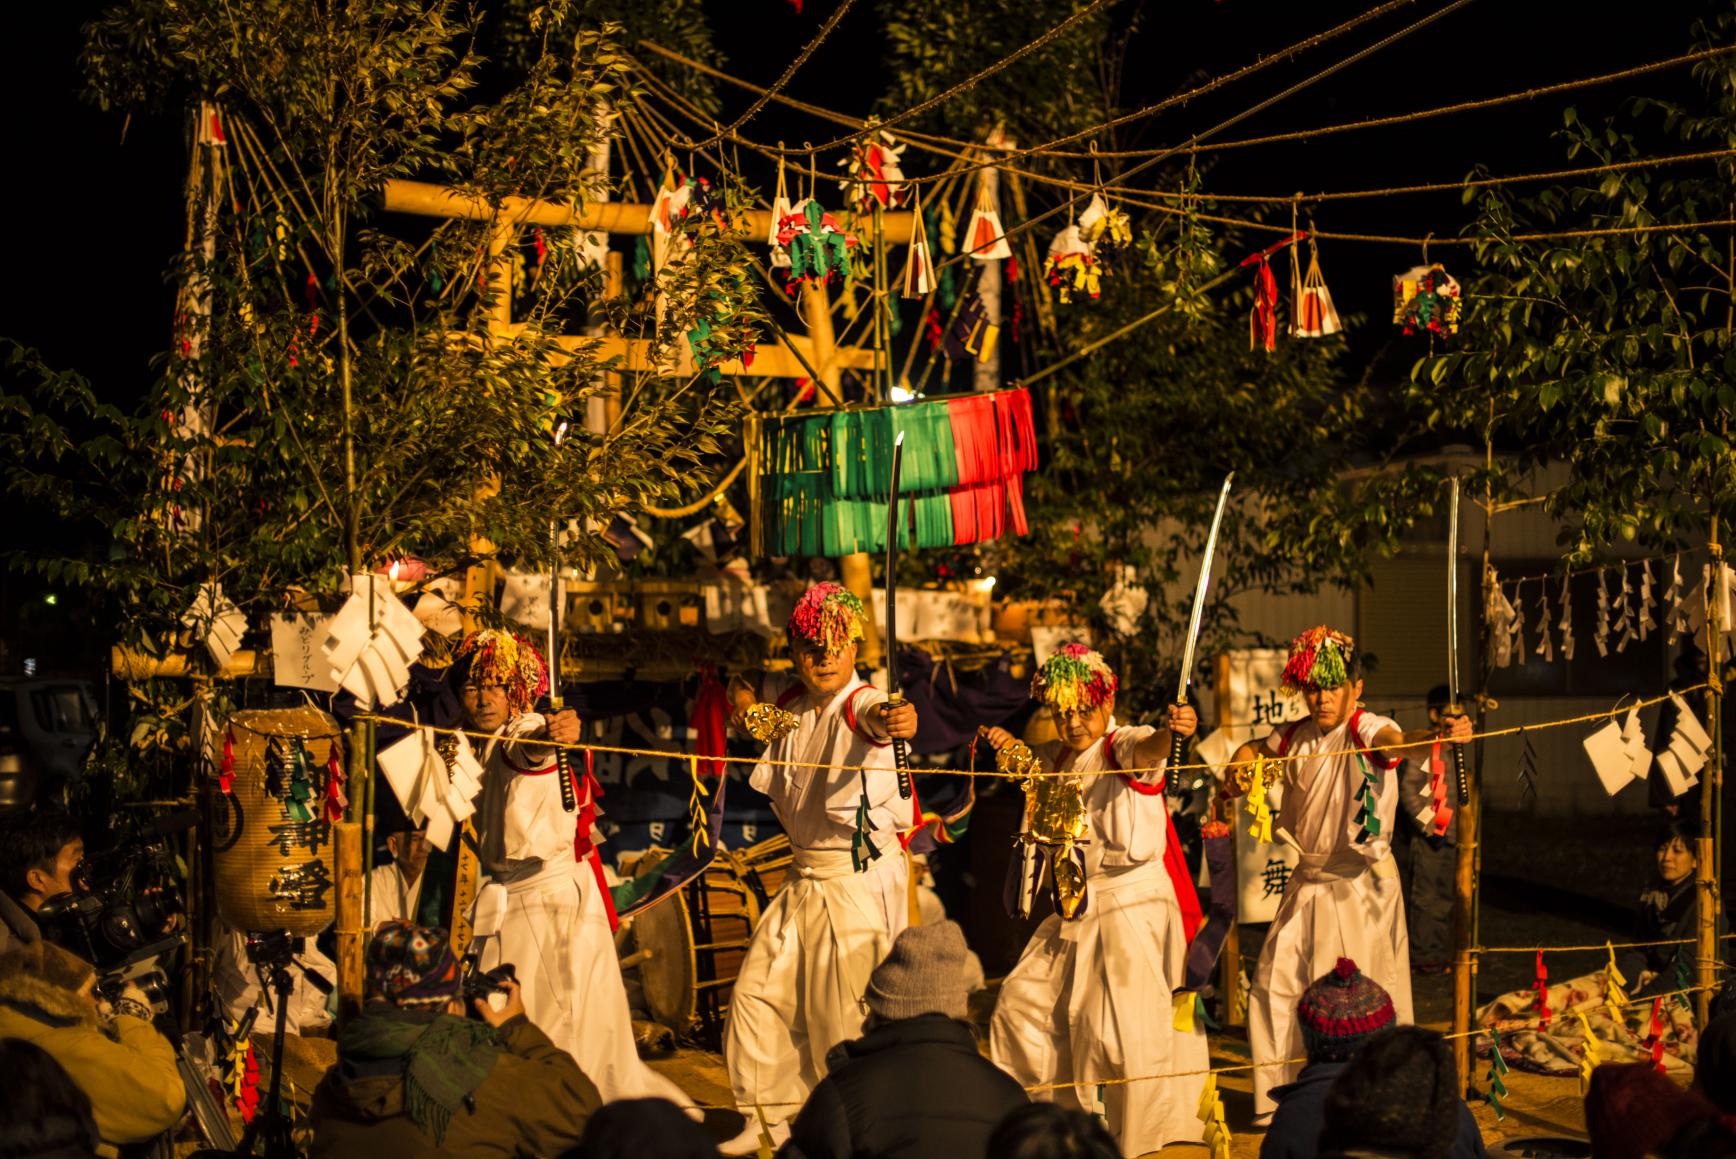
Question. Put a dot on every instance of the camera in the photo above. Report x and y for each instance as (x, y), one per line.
(483, 984)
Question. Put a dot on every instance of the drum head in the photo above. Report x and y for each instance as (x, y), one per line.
(667, 975)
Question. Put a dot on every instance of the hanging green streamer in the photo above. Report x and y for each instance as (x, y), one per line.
(863, 851)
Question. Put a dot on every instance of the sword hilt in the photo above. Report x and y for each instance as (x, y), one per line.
(1463, 777)
(1177, 751)
(900, 752)
(564, 767)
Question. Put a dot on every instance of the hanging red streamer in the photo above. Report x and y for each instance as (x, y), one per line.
(336, 800)
(1542, 987)
(226, 770)
(1263, 318)
(1655, 1040)
(709, 721)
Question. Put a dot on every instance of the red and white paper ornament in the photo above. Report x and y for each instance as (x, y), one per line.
(984, 238)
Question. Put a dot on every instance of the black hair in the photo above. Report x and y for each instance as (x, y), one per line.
(32, 840)
(1046, 1131)
(1683, 829)
(1398, 1092)
(642, 1129)
(1440, 696)
(42, 1111)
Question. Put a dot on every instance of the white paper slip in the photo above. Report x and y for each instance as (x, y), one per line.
(1689, 725)
(347, 633)
(297, 659)
(1690, 758)
(525, 598)
(1609, 757)
(1678, 781)
(1634, 740)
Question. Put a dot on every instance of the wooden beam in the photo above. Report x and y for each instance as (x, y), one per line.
(426, 199)
(132, 665)
(772, 360)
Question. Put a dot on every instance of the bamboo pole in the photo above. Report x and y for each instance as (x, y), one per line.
(347, 852)
(1230, 957)
(1707, 896)
(425, 199)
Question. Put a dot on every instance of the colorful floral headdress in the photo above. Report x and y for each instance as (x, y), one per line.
(1075, 678)
(494, 656)
(1320, 659)
(827, 615)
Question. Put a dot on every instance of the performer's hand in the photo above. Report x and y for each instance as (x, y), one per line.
(1456, 728)
(998, 738)
(513, 1008)
(563, 727)
(1183, 721)
(899, 720)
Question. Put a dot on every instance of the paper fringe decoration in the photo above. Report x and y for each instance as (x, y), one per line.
(1074, 679)
(1677, 617)
(1497, 1067)
(1315, 315)
(1615, 999)
(1211, 1113)
(1367, 797)
(781, 208)
(1647, 601)
(874, 176)
(919, 270)
(827, 615)
(1319, 659)
(1546, 645)
(1566, 624)
(819, 250)
(984, 238)
(1601, 636)
(1518, 625)
(1624, 619)
(1541, 985)
(1590, 1057)
(1527, 766)
(1259, 808)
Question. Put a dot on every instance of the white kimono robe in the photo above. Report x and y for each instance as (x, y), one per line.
(1343, 901)
(390, 897)
(556, 930)
(803, 983)
(1091, 998)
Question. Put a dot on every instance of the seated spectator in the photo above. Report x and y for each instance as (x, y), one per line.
(1338, 1013)
(1715, 1066)
(415, 1077)
(1046, 1131)
(1398, 1097)
(643, 1129)
(1632, 1111)
(47, 997)
(43, 1113)
(1667, 914)
(915, 1083)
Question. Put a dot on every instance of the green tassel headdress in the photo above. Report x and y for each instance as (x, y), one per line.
(1320, 659)
(829, 616)
(1074, 679)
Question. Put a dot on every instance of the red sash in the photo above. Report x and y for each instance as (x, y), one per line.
(1186, 896)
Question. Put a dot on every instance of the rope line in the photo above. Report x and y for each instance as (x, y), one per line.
(789, 73)
(1235, 1068)
(578, 746)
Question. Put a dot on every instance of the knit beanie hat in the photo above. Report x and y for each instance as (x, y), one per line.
(1398, 1094)
(412, 966)
(924, 974)
(1632, 1111)
(1340, 1010)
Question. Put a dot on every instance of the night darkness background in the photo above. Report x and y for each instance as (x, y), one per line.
(94, 202)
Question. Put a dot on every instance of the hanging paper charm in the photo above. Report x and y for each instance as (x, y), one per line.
(1566, 622)
(1315, 315)
(1104, 227)
(874, 174)
(1541, 985)
(781, 208)
(1426, 299)
(1546, 645)
(1601, 636)
(1648, 601)
(1069, 266)
(919, 270)
(1497, 1068)
(984, 238)
(818, 248)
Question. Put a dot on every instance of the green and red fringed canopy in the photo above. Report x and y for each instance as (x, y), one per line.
(823, 477)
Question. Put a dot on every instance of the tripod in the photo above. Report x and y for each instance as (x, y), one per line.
(272, 954)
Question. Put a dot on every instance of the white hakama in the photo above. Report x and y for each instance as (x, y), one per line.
(802, 986)
(1343, 901)
(1091, 998)
(556, 930)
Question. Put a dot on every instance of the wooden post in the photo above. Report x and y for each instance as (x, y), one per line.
(1468, 852)
(1230, 958)
(986, 372)
(613, 279)
(1711, 787)
(347, 852)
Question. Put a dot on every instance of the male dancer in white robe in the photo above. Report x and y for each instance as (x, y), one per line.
(802, 984)
(1344, 900)
(556, 932)
(1091, 997)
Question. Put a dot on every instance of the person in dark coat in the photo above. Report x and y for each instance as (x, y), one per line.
(915, 1083)
(1339, 1014)
(415, 1077)
(1398, 1096)
(1666, 913)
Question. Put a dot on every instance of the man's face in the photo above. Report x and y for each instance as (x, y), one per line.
(823, 673)
(410, 851)
(1084, 727)
(485, 708)
(1333, 706)
(48, 881)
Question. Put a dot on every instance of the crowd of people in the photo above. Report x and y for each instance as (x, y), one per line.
(849, 1031)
